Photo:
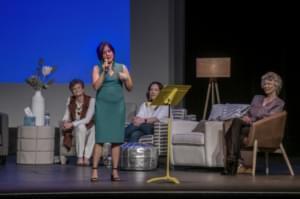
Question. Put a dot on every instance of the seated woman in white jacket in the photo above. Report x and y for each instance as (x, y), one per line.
(142, 123)
(78, 121)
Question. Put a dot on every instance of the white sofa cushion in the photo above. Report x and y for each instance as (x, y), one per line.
(189, 139)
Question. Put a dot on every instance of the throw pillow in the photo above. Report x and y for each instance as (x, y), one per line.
(200, 127)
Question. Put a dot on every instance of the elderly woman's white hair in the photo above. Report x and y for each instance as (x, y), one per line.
(271, 76)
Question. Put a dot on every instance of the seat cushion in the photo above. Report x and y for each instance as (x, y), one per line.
(188, 139)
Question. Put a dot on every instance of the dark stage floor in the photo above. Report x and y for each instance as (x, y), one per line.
(58, 181)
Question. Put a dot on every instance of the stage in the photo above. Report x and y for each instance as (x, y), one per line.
(59, 181)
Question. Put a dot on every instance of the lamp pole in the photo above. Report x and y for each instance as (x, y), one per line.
(212, 89)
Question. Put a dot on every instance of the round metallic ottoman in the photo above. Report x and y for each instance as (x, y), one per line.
(137, 156)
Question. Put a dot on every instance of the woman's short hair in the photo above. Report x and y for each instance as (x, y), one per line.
(160, 86)
(272, 77)
(73, 82)
(100, 49)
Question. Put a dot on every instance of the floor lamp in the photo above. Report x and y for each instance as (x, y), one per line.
(212, 68)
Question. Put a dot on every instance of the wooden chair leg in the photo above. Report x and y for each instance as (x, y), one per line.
(254, 157)
(287, 160)
(267, 162)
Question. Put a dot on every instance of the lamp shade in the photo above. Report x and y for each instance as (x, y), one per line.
(213, 67)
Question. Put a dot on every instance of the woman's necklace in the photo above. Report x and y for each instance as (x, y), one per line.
(78, 107)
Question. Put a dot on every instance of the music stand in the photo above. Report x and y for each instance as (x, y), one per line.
(169, 95)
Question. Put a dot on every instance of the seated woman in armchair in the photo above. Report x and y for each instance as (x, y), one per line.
(142, 123)
(261, 106)
(78, 121)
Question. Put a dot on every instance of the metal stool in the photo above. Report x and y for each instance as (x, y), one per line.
(137, 156)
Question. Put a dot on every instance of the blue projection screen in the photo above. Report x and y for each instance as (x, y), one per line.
(65, 33)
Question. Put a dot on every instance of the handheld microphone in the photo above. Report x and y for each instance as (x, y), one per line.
(105, 65)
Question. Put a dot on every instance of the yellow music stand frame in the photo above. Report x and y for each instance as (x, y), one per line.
(169, 95)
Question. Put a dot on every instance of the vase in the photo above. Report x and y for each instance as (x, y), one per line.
(38, 108)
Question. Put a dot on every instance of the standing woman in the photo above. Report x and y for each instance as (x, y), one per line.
(108, 80)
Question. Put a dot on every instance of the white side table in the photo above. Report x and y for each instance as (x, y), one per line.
(35, 145)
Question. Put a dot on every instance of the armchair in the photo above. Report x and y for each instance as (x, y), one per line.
(202, 148)
(3, 137)
(266, 136)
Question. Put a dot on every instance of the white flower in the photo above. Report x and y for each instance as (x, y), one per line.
(41, 80)
(46, 70)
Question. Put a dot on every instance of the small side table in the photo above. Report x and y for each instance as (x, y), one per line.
(35, 145)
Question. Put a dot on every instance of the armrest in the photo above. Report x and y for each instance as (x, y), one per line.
(160, 127)
(214, 143)
(159, 137)
(214, 133)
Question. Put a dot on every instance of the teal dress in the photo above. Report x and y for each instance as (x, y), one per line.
(110, 108)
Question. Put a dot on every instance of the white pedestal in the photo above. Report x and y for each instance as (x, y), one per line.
(35, 145)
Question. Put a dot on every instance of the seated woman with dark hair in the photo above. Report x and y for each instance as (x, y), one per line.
(142, 123)
(261, 106)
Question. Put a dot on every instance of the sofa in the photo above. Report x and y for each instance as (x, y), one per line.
(3, 137)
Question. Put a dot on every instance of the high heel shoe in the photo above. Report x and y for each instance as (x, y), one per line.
(95, 179)
(115, 178)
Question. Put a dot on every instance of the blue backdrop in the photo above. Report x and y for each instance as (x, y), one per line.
(65, 33)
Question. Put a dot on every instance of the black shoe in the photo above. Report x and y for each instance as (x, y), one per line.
(95, 178)
(225, 172)
(230, 168)
(233, 165)
(115, 178)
